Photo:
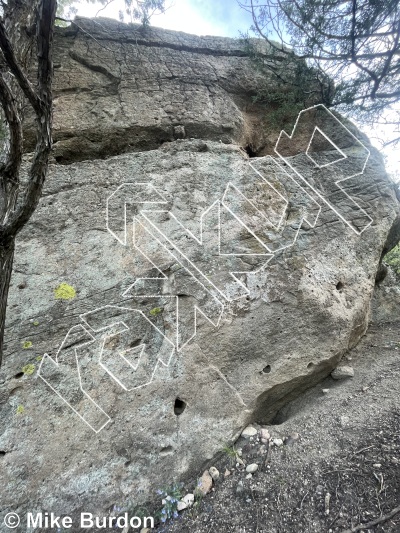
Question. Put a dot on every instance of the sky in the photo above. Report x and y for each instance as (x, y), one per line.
(216, 17)
(200, 17)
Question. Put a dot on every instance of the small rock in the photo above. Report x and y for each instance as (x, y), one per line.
(264, 435)
(179, 132)
(181, 505)
(204, 485)
(214, 473)
(239, 487)
(188, 499)
(227, 473)
(248, 432)
(343, 372)
(364, 389)
(290, 439)
(344, 420)
(278, 442)
(145, 530)
(249, 476)
(325, 391)
(376, 465)
(252, 468)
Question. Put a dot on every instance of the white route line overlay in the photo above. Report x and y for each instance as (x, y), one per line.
(150, 190)
(344, 156)
(48, 359)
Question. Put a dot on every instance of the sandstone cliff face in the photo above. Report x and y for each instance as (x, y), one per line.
(121, 89)
(162, 355)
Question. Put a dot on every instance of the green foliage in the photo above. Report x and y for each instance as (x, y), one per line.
(393, 259)
(26, 345)
(20, 410)
(135, 10)
(170, 498)
(142, 10)
(356, 43)
(230, 452)
(295, 86)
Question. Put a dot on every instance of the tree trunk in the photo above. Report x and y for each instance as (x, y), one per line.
(28, 42)
(6, 263)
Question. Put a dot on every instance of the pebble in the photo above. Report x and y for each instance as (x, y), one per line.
(252, 468)
(264, 435)
(325, 391)
(240, 487)
(290, 439)
(214, 473)
(376, 465)
(278, 442)
(343, 372)
(181, 505)
(144, 530)
(248, 432)
(249, 476)
(344, 420)
(186, 501)
(204, 485)
(227, 473)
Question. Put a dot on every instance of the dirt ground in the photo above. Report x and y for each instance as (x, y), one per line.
(341, 474)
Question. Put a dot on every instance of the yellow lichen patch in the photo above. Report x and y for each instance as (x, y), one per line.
(155, 311)
(20, 410)
(39, 357)
(26, 345)
(28, 369)
(64, 292)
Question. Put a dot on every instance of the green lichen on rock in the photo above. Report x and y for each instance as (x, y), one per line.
(64, 292)
(28, 369)
(155, 311)
(26, 345)
(393, 259)
(36, 323)
(20, 410)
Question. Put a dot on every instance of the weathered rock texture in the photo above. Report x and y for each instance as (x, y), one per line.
(120, 88)
(308, 272)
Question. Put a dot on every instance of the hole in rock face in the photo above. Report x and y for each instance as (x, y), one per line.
(135, 343)
(2, 453)
(19, 375)
(279, 418)
(166, 451)
(310, 366)
(179, 406)
(250, 150)
(267, 369)
(339, 286)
